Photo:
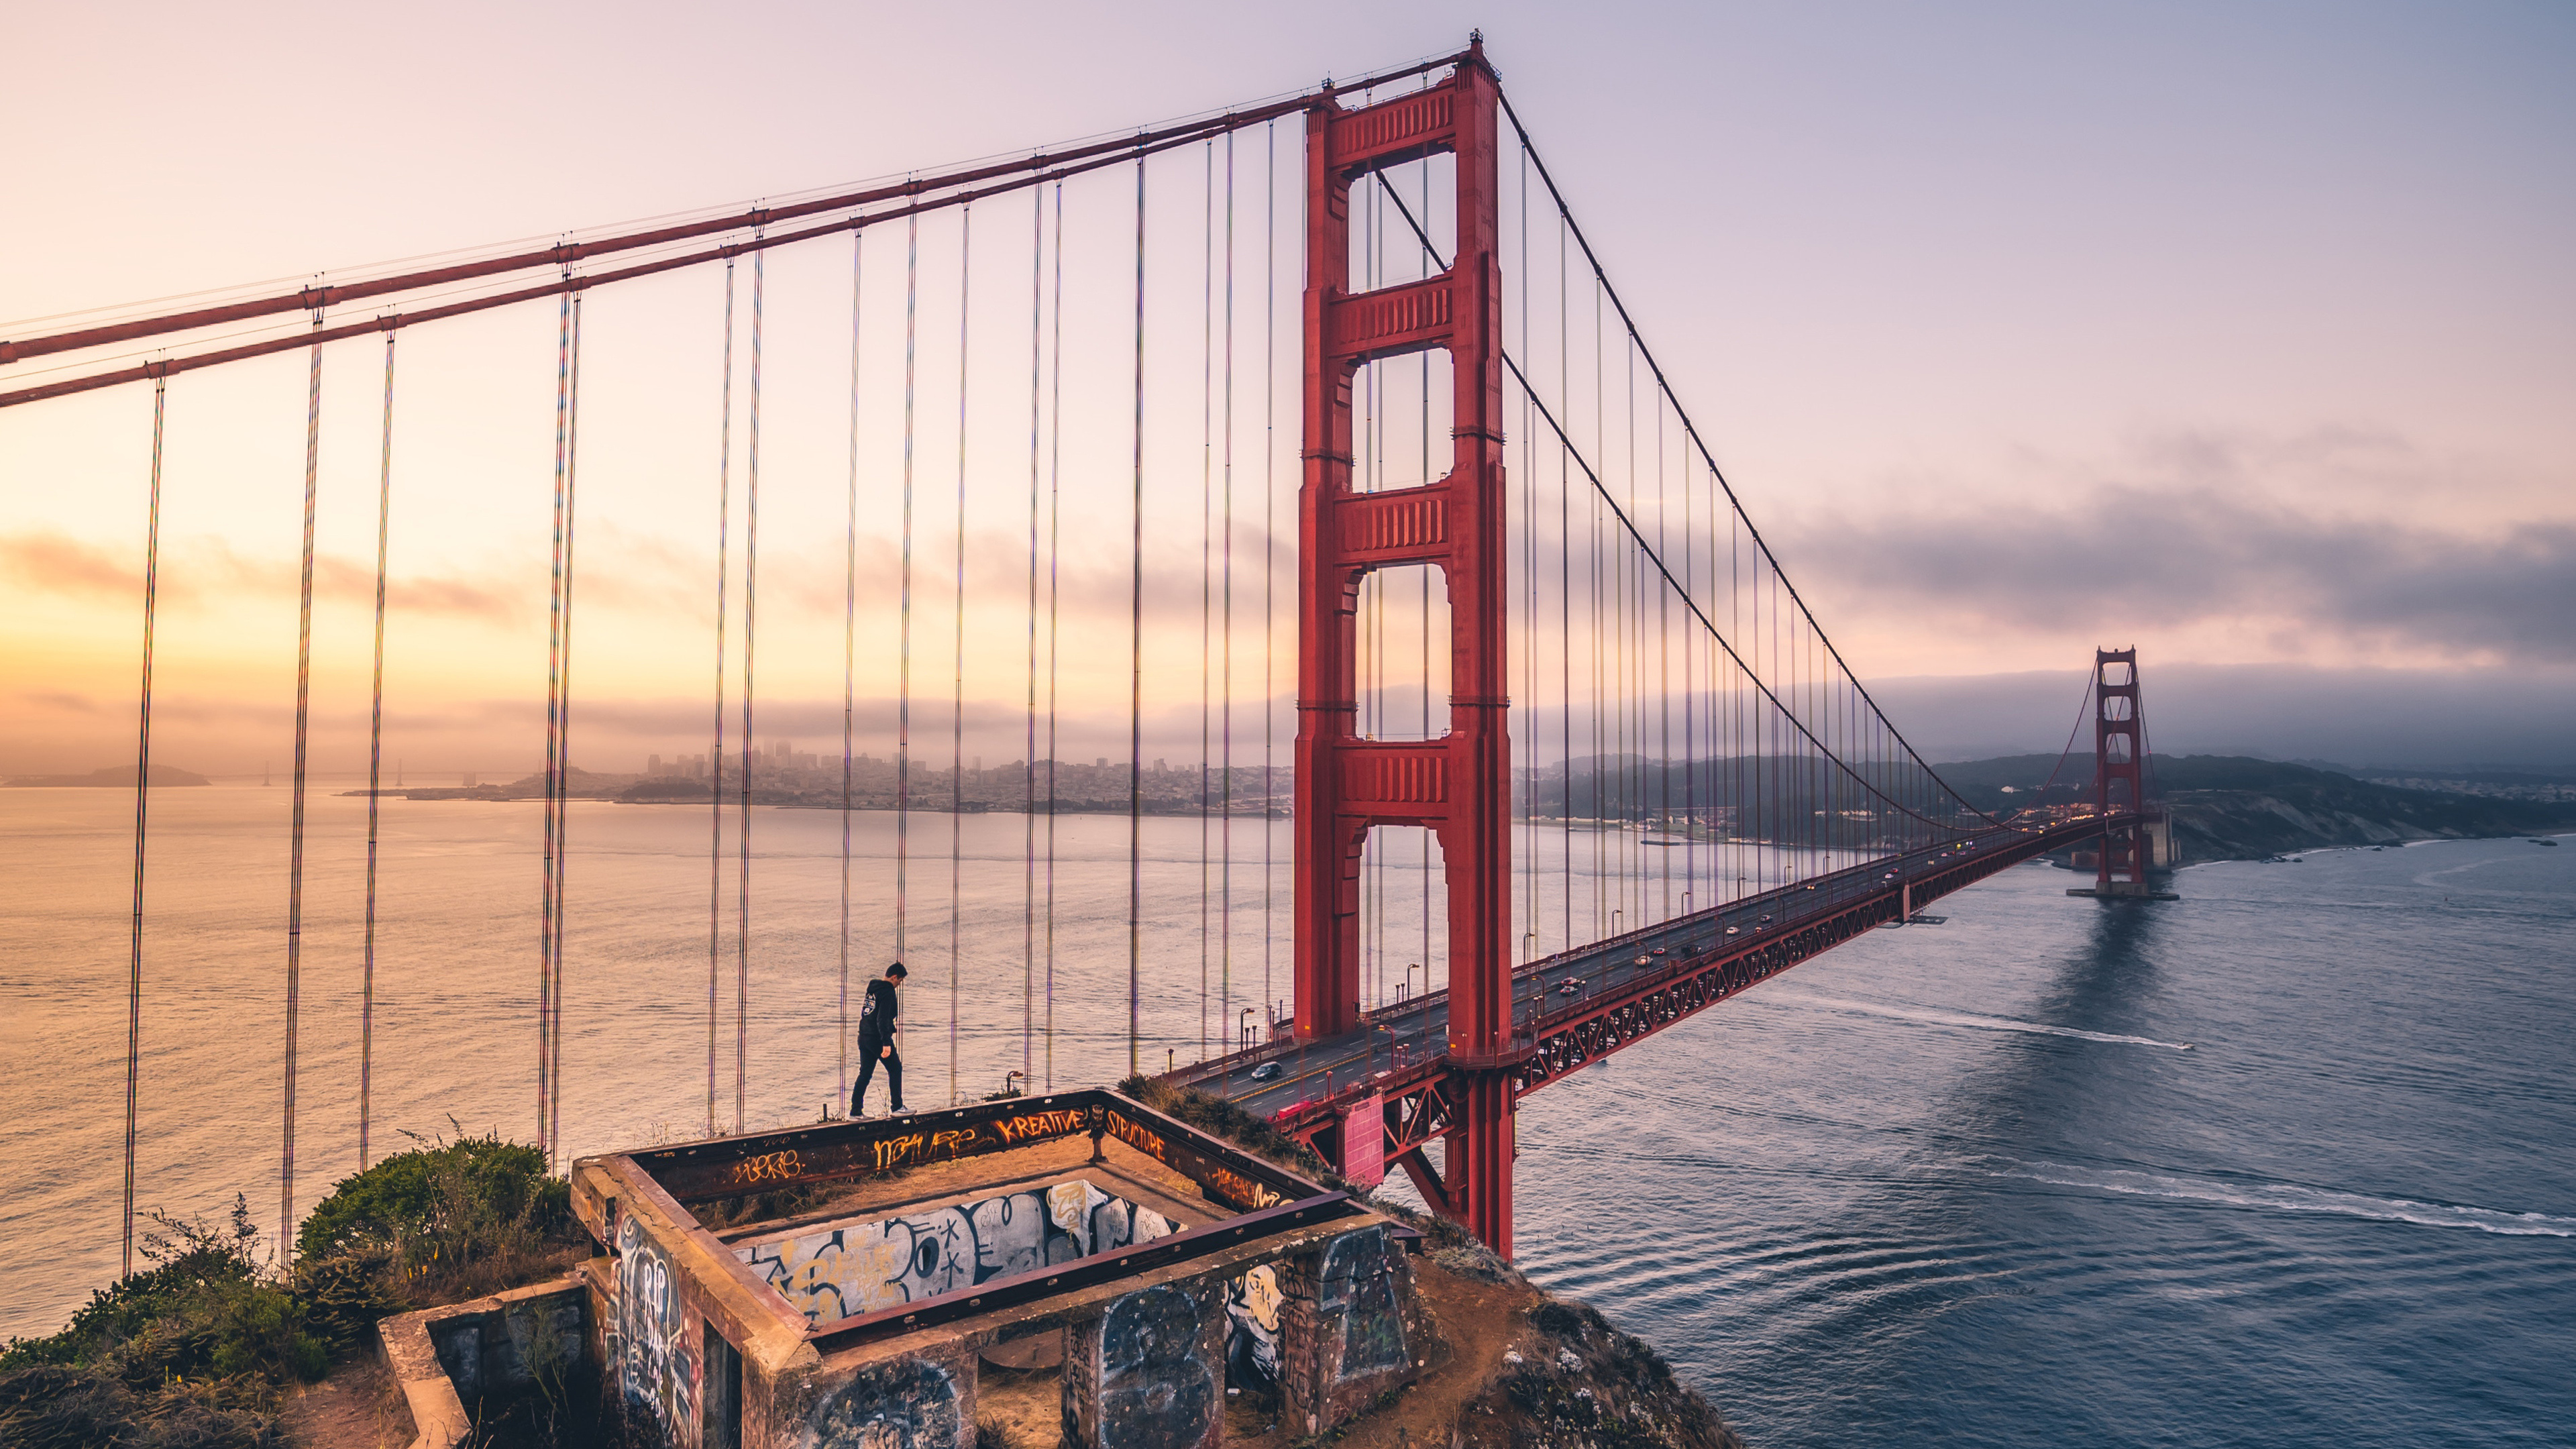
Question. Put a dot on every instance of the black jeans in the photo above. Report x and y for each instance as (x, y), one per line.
(868, 1061)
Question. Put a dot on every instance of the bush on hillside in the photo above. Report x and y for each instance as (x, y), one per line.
(441, 1194)
(193, 1346)
(193, 1350)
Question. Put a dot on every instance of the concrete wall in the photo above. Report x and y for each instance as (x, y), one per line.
(1349, 1327)
(659, 1345)
(918, 1401)
(1149, 1371)
(448, 1360)
(834, 1272)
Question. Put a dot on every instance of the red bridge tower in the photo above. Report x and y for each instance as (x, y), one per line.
(2119, 781)
(1457, 785)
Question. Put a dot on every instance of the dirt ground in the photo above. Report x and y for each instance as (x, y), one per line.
(358, 1407)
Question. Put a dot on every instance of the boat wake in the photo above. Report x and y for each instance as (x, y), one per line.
(2292, 1198)
(1933, 1016)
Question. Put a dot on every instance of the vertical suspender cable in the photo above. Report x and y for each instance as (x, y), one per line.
(750, 602)
(715, 753)
(554, 739)
(295, 847)
(142, 803)
(1564, 576)
(1269, 543)
(1136, 656)
(375, 761)
(903, 666)
(1029, 755)
(1225, 756)
(563, 780)
(849, 656)
(1055, 521)
(1207, 613)
(957, 696)
(1690, 736)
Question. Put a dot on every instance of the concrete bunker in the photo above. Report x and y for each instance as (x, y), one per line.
(1077, 1245)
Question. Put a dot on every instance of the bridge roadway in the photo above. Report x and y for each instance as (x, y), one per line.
(1580, 1004)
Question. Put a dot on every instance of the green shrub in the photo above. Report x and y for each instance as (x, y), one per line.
(439, 1196)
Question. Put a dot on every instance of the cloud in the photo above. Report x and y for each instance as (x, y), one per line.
(2220, 537)
(60, 564)
(197, 570)
(57, 701)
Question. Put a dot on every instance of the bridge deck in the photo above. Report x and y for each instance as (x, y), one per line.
(1581, 1004)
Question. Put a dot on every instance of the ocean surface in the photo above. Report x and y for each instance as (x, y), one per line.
(1956, 1184)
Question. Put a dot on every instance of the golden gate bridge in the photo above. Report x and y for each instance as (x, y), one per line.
(1654, 783)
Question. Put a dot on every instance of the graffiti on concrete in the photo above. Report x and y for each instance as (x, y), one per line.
(906, 1405)
(1157, 1391)
(1359, 1286)
(1252, 1331)
(657, 1373)
(1117, 1223)
(839, 1272)
(1220, 1181)
(947, 1143)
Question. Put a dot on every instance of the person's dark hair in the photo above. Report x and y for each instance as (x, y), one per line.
(897, 972)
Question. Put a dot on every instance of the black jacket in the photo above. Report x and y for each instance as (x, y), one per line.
(876, 1016)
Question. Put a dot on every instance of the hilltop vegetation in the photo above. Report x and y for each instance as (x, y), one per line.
(198, 1350)
(2230, 807)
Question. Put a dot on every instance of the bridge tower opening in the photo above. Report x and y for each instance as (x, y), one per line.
(1457, 784)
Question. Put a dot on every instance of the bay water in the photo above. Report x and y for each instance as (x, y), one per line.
(2289, 1161)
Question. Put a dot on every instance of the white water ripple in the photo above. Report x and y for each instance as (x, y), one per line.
(1933, 1016)
(2292, 1198)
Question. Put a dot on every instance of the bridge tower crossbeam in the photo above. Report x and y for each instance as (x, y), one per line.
(1457, 785)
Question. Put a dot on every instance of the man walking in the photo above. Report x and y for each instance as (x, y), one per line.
(876, 1043)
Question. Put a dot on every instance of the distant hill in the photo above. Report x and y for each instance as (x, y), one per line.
(114, 777)
(2229, 807)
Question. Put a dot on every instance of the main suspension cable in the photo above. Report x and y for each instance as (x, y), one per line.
(1691, 431)
(1637, 537)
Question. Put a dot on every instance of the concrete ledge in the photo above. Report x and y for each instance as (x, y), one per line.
(443, 1356)
(437, 1414)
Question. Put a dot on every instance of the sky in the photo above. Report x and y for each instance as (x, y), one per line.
(2242, 334)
